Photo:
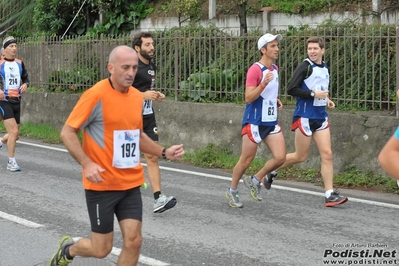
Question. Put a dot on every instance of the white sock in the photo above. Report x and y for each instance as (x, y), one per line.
(1, 143)
(274, 173)
(255, 180)
(10, 160)
(328, 193)
(233, 190)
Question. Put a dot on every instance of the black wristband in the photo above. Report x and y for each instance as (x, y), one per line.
(164, 153)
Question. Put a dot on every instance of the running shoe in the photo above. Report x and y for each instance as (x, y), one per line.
(268, 180)
(254, 190)
(335, 199)
(234, 199)
(59, 258)
(13, 166)
(164, 203)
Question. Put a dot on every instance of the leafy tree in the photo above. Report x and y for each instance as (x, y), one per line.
(100, 16)
(189, 8)
(122, 16)
(16, 16)
(50, 16)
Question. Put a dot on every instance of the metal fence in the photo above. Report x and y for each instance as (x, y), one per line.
(211, 65)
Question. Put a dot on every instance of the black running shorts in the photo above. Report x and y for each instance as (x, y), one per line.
(102, 205)
(10, 110)
(150, 127)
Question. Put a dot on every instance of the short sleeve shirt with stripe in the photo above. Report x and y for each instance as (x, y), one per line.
(100, 112)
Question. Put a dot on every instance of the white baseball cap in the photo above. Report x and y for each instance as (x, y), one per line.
(268, 38)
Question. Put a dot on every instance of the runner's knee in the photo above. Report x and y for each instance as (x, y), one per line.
(246, 161)
(103, 251)
(326, 155)
(14, 133)
(133, 244)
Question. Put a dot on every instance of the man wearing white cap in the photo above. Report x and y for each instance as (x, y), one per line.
(309, 84)
(260, 120)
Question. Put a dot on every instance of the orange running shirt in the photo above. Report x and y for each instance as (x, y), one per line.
(106, 116)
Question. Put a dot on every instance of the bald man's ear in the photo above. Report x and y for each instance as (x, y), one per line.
(110, 68)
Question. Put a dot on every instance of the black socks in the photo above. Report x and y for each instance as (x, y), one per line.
(66, 252)
(156, 195)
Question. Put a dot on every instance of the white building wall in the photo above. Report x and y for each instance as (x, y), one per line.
(159, 23)
(387, 17)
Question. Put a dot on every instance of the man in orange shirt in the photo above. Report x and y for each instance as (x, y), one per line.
(110, 115)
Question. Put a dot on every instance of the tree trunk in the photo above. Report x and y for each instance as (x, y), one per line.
(87, 18)
(242, 14)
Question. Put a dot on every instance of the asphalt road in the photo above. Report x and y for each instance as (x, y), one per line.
(290, 226)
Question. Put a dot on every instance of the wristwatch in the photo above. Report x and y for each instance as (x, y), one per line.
(312, 94)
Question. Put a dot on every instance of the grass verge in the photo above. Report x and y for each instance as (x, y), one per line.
(218, 157)
(215, 156)
(46, 133)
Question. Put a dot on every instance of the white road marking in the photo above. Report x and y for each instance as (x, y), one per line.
(19, 220)
(154, 262)
(142, 259)
(115, 251)
(303, 191)
(352, 199)
(42, 146)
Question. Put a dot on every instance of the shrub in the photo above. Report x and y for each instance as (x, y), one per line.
(78, 79)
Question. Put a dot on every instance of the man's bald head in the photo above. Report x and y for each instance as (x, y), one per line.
(119, 52)
(122, 65)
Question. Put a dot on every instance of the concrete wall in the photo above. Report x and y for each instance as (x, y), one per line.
(267, 20)
(356, 137)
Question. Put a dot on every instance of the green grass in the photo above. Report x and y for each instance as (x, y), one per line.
(219, 157)
(46, 133)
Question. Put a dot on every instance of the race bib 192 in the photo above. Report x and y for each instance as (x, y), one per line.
(126, 148)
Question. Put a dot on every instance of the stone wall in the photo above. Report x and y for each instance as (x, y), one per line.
(357, 137)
